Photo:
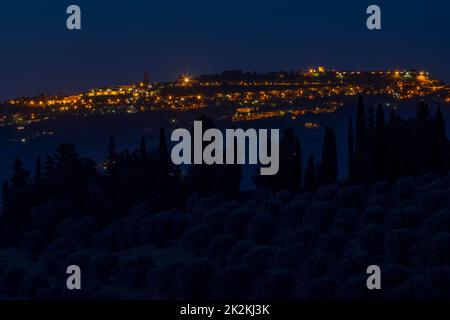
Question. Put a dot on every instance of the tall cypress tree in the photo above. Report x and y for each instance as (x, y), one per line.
(202, 178)
(360, 128)
(143, 148)
(360, 139)
(111, 156)
(5, 192)
(422, 152)
(440, 142)
(393, 147)
(38, 172)
(351, 152)
(49, 170)
(381, 149)
(333, 160)
(19, 176)
(163, 154)
(290, 171)
(329, 157)
(309, 183)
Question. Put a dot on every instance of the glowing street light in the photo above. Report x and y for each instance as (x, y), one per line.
(186, 80)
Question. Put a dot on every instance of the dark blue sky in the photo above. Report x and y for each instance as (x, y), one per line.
(119, 40)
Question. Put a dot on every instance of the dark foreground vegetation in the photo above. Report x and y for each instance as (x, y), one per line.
(138, 228)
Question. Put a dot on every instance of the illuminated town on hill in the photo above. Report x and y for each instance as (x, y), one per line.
(251, 95)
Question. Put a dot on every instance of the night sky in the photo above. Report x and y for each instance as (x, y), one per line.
(120, 40)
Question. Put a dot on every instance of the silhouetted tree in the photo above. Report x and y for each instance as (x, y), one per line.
(163, 154)
(111, 157)
(351, 152)
(422, 111)
(360, 127)
(202, 178)
(5, 192)
(329, 157)
(393, 147)
(19, 176)
(289, 175)
(290, 172)
(381, 149)
(369, 161)
(309, 183)
(421, 144)
(38, 172)
(230, 177)
(49, 168)
(440, 142)
(143, 148)
(360, 139)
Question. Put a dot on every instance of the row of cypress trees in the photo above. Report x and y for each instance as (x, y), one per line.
(380, 150)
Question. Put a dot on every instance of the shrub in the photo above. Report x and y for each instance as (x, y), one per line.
(320, 216)
(400, 245)
(434, 201)
(438, 280)
(33, 242)
(440, 222)
(440, 249)
(31, 283)
(162, 229)
(345, 220)
(239, 250)
(382, 188)
(215, 218)
(64, 227)
(308, 237)
(43, 218)
(355, 288)
(377, 200)
(413, 289)
(194, 278)
(284, 196)
(332, 243)
(292, 213)
(57, 245)
(373, 215)
(272, 206)
(351, 197)
(318, 289)
(371, 239)
(393, 276)
(111, 237)
(12, 277)
(103, 266)
(54, 262)
(261, 229)
(404, 218)
(80, 258)
(236, 222)
(133, 269)
(346, 268)
(288, 258)
(258, 259)
(220, 246)
(317, 266)
(327, 193)
(197, 239)
(164, 279)
(83, 230)
(276, 284)
(131, 231)
(405, 188)
(232, 283)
